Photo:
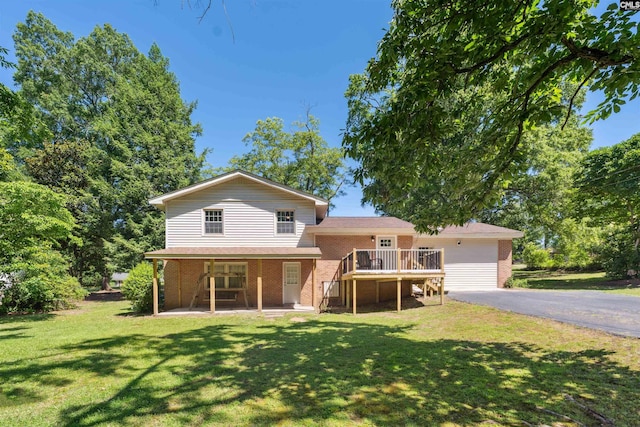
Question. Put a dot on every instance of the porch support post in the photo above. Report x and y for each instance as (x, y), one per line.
(442, 291)
(354, 261)
(155, 287)
(399, 292)
(398, 252)
(442, 260)
(354, 296)
(259, 283)
(347, 294)
(377, 291)
(316, 305)
(179, 283)
(212, 286)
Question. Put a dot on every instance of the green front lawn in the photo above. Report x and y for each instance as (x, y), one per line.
(558, 280)
(456, 364)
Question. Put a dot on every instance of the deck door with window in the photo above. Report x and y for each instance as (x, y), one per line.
(291, 285)
(386, 246)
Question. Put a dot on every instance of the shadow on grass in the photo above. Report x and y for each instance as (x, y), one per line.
(407, 303)
(556, 280)
(14, 332)
(25, 318)
(331, 371)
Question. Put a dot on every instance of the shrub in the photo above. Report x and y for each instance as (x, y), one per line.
(536, 257)
(516, 283)
(577, 244)
(138, 288)
(618, 255)
(38, 280)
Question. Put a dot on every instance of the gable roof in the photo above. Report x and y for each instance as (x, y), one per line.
(159, 202)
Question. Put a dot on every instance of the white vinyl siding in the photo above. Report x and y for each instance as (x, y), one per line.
(472, 265)
(249, 217)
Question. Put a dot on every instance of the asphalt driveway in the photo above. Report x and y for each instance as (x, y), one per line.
(618, 314)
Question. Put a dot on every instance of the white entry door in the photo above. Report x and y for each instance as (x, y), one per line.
(291, 283)
(386, 246)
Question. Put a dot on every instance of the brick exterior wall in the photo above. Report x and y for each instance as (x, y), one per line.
(272, 280)
(326, 271)
(504, 261)
(334, 248)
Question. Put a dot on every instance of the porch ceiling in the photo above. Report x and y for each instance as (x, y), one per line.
(235, 253)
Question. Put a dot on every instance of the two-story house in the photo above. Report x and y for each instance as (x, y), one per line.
(240, 240)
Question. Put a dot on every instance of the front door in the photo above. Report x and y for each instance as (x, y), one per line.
(291, 283)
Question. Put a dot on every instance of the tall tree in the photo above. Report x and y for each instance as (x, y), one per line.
(608, 186)
(405, 110)
(300, 159)
(120, 134)
(539, 201)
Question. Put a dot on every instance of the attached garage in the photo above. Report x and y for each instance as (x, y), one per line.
(477, 256)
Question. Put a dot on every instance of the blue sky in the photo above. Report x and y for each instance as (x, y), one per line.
(286, 54)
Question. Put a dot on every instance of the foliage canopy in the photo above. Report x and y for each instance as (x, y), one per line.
(117, 134)
(438, 117)
(300, 158)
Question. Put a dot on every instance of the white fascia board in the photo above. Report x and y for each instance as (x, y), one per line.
(160, 201)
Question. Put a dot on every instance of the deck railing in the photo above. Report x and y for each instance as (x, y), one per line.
(394, 260)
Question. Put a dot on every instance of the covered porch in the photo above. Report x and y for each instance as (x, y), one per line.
(374, 267)
(218, 279)
(267, 311)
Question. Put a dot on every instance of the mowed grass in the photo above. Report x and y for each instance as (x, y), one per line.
(451, 365)
(558, 280)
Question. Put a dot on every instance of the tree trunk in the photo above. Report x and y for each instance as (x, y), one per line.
(105, 283)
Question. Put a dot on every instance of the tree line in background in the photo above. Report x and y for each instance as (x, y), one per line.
(465, 113)
(95, 129)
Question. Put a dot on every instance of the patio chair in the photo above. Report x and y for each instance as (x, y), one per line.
(365, 262)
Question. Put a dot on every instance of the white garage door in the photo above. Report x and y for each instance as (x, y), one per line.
(472, 265)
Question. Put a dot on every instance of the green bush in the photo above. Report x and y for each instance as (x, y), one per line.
(38, 280)
(618, 255)
(516, 283)
(138, 288)
(577, 244)
(536, 257)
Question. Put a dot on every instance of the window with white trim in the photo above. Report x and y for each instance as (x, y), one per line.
(228, 274)
(213, 221)
(285, 222)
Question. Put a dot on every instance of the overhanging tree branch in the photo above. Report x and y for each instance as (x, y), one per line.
(573, 97)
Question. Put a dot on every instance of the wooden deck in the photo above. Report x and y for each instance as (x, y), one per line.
(423, 267)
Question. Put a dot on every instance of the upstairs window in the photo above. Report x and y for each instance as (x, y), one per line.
(213, 221)
(286, 222)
